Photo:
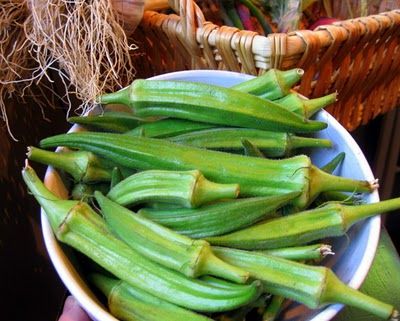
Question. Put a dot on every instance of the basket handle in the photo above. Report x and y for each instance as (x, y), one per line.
(192, 19)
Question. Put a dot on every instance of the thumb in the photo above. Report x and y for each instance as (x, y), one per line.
(72, 311)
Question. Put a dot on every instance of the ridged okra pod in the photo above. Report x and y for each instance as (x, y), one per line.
(313, 286)
(130, 303)
(113, 121)
(332, 219)
(77, 225)
(271, 85)
(305, 107)
(83, 166)
(168, 127)
(208, 103)
(218, 218)
(164, 246)
(187, 188)
(255, 176)
(251, 150)
(272, 144)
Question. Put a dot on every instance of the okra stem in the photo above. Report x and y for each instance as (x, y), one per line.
(332, 219)
(187, 188)
(164, 246)
(298, 253)
(81, 165)
(274, 308)
(76, 224)
(313, 286)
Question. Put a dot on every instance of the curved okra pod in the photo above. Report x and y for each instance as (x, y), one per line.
(168, 127)
(218, 218)
(313, 286)
(81, 165)
(164, 246)
(255, 176)
(210, 104)
(114, 121)
(77, 225)
(131, 303)
(273, 84)
(272, 144)
(187, 188)
(305, 107)
(332, 219)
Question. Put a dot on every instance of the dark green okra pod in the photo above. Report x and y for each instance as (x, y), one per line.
(187, 188)
(271, 85)
(218, 218)
(313, 286)
(114, 121)
(272, 144)
(164, 246)
(255, 176)
(332, 219)
(209, 104)
(168, 127)
(130, 303)
(273, 309)
(76, 224)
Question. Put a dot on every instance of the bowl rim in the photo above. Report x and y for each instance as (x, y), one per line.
(97, 311)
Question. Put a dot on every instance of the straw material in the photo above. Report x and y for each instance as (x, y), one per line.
(358, 58)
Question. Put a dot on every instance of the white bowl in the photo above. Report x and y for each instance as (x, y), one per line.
(354, 253)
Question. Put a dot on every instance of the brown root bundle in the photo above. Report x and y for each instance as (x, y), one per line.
(81, 41)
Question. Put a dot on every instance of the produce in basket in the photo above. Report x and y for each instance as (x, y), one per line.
(124, 252)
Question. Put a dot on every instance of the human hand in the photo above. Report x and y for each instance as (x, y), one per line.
(72, 311)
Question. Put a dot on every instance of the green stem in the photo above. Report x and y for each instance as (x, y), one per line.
(298, 142)
(312, 106)
(307, 252)
(121, 96)
(274, 308)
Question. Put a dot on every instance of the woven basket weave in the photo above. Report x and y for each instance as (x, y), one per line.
(358, 58)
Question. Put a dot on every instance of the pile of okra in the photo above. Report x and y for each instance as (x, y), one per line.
(198, 202)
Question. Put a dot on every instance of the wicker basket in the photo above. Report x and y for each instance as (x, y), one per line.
(358, 58)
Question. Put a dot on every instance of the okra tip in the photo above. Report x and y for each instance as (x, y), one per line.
(395, 316)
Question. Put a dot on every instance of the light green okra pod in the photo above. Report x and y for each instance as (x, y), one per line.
(187, 188)
(209, 104)
(272, 144)
(76, 224)
(130, 303)
(218, 218)
(332, 219)
(256, 176)
(271, 85)
(164, 246)
(313, 286)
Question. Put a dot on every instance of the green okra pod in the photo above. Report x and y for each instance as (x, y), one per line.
(334, 163)
(164, 246)
(187, 188)
(130, 303)
(273, 84)
(272, 144)
(313, 286)
(255, 176)
(168, 127)
(218, 218)
(273, 309)
(85, 192)
(332, 219)
(300, 253)
(305, 107)
(116, 176)
(81, 165)
(208, 103)
(113, 121)
(77, 225)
